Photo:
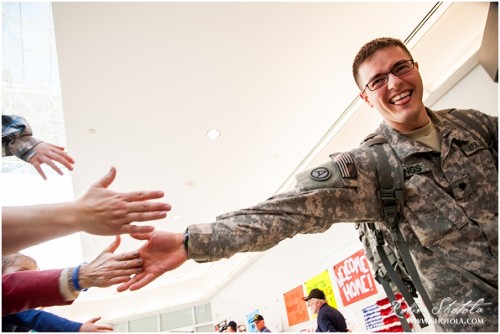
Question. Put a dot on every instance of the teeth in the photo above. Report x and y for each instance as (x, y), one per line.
(400, 96)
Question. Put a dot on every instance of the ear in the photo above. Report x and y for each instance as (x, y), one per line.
(365, 98)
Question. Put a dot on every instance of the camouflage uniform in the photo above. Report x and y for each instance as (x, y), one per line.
(449, 220)
(17, 138)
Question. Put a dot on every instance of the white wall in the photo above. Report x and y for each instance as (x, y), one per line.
(292, 262)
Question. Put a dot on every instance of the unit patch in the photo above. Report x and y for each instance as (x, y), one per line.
(346, 165)
(417, 168)
(320, 174)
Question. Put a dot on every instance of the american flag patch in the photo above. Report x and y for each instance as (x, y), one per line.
(346, 165)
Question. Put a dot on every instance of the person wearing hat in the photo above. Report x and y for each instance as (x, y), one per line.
(260, 324)
(329, 318)
(231, 327)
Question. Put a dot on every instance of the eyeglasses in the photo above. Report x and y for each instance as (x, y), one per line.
(398, 70)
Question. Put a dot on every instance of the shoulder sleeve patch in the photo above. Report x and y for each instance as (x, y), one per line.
(346, 165)
(326, 175)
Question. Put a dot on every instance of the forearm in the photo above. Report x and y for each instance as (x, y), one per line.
(31, 289)
(24, 226)
(42, 321)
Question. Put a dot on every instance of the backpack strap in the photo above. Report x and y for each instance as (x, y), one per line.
(391, 193)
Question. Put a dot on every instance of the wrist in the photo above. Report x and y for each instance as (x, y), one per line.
(185, 241)
(79, 285)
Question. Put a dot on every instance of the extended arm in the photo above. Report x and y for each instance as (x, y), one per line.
(100, 211)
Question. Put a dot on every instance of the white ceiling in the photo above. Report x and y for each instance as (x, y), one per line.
(150, 79)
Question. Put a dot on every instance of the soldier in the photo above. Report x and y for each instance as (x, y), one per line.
(449, 219)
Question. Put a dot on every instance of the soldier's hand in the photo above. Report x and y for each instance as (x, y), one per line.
(163, 251)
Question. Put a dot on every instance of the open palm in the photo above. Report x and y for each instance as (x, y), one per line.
(163, 251)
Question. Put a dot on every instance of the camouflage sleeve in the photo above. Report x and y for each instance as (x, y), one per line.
(17, 137)
(323, 196)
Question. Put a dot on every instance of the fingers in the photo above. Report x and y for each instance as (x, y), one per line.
(138, 196)
(137, 282)
(105, 181)
(94, 320)
(141, 236)
(113, 246)
(40, 171)
(54, 166)
(145, 280)
(134, 229)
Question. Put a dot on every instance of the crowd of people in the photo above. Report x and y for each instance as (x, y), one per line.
(447, 213)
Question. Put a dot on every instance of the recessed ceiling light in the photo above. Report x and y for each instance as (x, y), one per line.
(213, 134)
(92, 131)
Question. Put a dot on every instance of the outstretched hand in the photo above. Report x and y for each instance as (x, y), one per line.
(91, 326)
(109, 269)
(105, 212)
(46, 153)
(163, 251)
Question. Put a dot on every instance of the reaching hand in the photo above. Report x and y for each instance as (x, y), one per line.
(164, 251)
(105, 212)
(46, 153)
(108, 269)
(91, 326)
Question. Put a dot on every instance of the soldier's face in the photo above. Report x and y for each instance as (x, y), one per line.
(399, 101)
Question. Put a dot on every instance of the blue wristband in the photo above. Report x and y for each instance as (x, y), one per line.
(74, 279)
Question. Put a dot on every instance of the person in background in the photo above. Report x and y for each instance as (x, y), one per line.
(231, 327)
(26, 289)
(329, 318)
(259, 322)
(18, 140)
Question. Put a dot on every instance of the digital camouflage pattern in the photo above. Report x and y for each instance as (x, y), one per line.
(450, 218)
(17, 137)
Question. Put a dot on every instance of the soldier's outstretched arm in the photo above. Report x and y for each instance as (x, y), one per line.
(163, 251)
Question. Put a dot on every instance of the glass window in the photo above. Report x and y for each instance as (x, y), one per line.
(205, 328)
(177, 319)
(203, 313)
(120, 327)
(149, 324)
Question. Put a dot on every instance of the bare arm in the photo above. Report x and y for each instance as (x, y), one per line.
(100, 211)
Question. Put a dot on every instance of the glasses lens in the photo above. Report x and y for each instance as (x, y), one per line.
(377, 82)
(403, 68)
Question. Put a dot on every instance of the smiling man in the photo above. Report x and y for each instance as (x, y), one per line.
(447, 204)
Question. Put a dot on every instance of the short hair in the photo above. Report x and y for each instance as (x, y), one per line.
(369, 50)
(10, 260)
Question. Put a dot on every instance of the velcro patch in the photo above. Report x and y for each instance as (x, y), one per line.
(417, 168)
(346, 165)
(471, 148)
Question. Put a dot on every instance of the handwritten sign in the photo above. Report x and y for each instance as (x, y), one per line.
(296, 309)
(354, 278)
(322, 282)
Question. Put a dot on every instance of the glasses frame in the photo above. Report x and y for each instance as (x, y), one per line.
(386, 75)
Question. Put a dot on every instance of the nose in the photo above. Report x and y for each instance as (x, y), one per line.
(393, 81)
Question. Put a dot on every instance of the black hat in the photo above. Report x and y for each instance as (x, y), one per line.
(315, 293)
(231, 324)
(257, 317)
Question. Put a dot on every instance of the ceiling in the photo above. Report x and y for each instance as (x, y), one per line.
(142, 83)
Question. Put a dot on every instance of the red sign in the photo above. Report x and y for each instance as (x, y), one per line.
(354, 278)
